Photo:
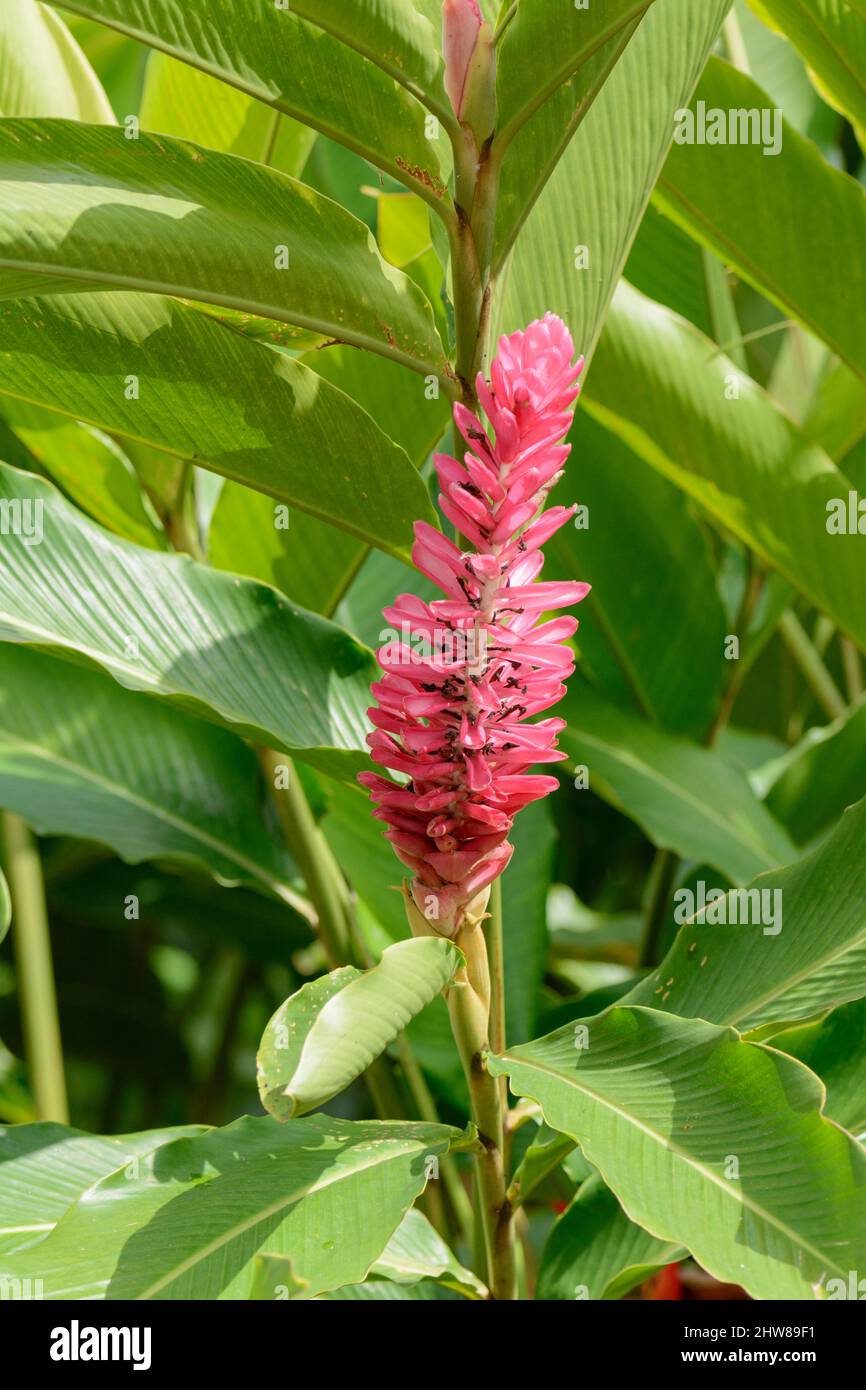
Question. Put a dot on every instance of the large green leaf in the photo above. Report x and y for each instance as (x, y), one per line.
(685, 798)
(810, 785)
(308, 560)
(190, 1223)
(832, 39)
(595, 1252)
(43, 72)
(45, 1167)
(272, 54)
(667, 391)
(600, 188)
(768, 217)
(327, 1034)
(545, 45)
(89, 467)
(652, 631)
(186, 102)
(154, 370)
(230, 649)
(835, 1049)
(708, 1142)
(85, 206)
(81, 756)
(811, 958)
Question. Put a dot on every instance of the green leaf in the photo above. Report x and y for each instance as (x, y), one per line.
(835, 1049)
(667, 391)
(327, 1034)
(309, 561)
(161, 215)
(228, 649)
(524, 917)
(186, 102)
(685, 798)
(89, 467)
(595, 1252)
(652, 632)
(81, 756)
(43, 72)
(597, 194)
(832, 39)
(663, 1105)
(275, 56)
(768, 218)
(190, 1222)
(546, 1152)
(45, 1167)
(810, 785)
(742, 974)
(416, 1251)
(151, 369)
(545, 45)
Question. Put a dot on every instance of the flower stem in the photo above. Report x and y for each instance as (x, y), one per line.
(34, 970)
(469, 1007)
(808, 659)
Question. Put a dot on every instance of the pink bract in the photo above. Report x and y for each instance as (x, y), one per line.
(463, 683)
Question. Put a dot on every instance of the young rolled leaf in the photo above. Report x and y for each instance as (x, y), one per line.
(154, 370)
(160, 215)
(275, 56)
(767, 216)
(595, 1252)
(232, 650)
(709, 1142)
(46, 1167)
(5, 906)
(191, 1219)
(43, 72)
(795, 947)
(81, 756)
(327, 1034)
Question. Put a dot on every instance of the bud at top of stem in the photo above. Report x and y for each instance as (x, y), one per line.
(470, 66)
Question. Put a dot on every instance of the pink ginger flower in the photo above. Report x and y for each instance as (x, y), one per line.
(458, 696)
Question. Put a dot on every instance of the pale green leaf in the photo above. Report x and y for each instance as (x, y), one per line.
(43, 72)
(327, 1034)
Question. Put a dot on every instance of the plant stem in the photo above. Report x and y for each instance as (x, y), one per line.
(735, 44)
(34, 970)
(426, 1107)
(853, 668)
(311, 852)
(809, 661)
(493, 934)
(469, 1007)
(664, 871)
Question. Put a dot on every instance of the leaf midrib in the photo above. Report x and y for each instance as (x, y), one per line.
(159, 813)
(668, 1145)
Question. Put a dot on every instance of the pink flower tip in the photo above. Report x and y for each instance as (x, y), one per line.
(457, 704)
